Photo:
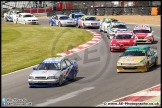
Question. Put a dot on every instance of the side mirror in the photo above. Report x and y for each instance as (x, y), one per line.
(34, 68)
(120, 55)
(63, 68)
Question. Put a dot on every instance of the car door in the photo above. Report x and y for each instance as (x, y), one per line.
(19, 18)
(153, 59)
(149, 57)
(57, 19)
(70, 68)
(64, 69)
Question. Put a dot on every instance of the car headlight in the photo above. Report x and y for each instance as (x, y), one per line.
(149, 34)
(118, 63)
(142, 62)
(87, 23)
(31, 77)
(51, 77)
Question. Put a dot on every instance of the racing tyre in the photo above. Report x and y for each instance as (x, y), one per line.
(60, 81)
(147, 67)
(108, 36)
(5, 19)
(152, 40)
(78, 26)
(104, 30)
(51, 24)
(15, 21)
(59, 24)
(156, 61)
(74, 75)
(84, 26)
(24, 22)
(100, 30)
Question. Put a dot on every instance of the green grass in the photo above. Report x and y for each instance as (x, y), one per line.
(28, 45)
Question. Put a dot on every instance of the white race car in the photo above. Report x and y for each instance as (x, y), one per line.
(10, 15)
(26, 18)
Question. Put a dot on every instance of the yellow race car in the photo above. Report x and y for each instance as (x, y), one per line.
(137, 59)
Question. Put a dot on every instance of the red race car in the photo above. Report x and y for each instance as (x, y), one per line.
(122, 40)
(144, 34)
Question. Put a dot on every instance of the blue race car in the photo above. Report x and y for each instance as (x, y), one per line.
(53, 72)
(76, 15)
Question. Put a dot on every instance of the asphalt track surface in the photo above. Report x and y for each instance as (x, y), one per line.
(97, 79)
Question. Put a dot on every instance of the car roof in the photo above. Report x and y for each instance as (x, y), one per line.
(77, 13)
(87, 16)
(145, 47)
(53, 60)
(142, 26)
(124, 32)
(25, 13)
(60, 15)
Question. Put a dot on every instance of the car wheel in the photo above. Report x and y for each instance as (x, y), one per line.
(152, 40)
(5, 19)
(147, 67)
(110, 50)
(156, 61)
(15, 21)
(74, 75)
(60, 80)
(51, 24)
(78, 26)
(104, 30)
(59, 24)
(24, 22)
(100, 29)
(84, 26)
(108, 36)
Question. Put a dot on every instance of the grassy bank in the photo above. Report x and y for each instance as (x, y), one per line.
(27, 45)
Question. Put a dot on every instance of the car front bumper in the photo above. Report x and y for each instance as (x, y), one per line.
(33, 23)
(141, 68)
(144, 41)
(118, 48)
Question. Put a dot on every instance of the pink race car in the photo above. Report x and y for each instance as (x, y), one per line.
(143, 34)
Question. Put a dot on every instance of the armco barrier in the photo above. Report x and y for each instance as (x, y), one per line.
(138, 10)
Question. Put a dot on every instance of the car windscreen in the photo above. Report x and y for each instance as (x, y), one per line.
(28, 15)
(49, 66)
(18, 12)
(120, 26)
(77, 16)
(134, 53)
(123, 36)
(141, 31)
(90, 18)
(63, 18)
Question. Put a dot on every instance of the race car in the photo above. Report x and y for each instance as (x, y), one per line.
(114, 27)
(144, 34)
(76, 15)
(10, 15)
(53, 72)
(122, 40)
(105, 22)
(137, 59)
(61, 20)
(88, 21)
(26, 18)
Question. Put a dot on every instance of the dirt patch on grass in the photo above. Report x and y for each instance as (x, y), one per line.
(130, 19)
(136, 19)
